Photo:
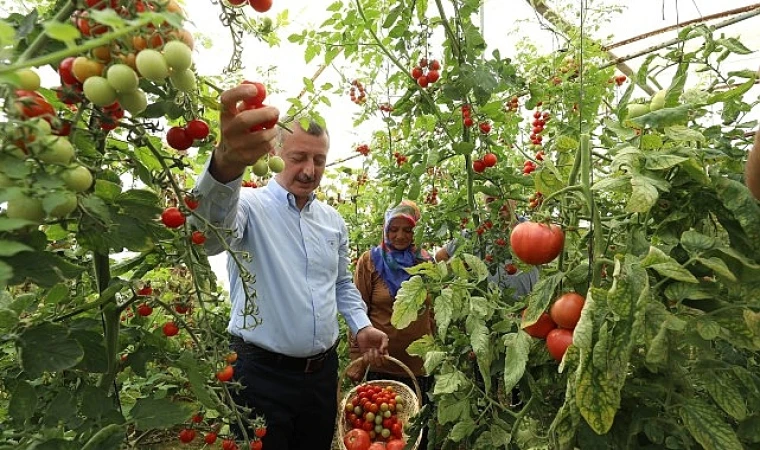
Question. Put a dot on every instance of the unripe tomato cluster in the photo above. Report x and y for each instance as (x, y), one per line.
(558, 325)
(361, 97)
(266, 163)
(374, 409)
(426, 73)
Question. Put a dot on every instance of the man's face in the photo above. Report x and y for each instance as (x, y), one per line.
(305, 157)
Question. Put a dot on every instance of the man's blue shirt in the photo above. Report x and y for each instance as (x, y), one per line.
(298, 261)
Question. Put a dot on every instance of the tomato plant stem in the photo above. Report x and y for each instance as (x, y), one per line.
(42, 38)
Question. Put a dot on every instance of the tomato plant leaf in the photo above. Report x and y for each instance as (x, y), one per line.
(539, 298)
(752, 319)
(687, 291)
(198, 385)
(452, 409)
(481, 345)
(666, 266)
(722, 387)
(151, 413)
(62, 407)
(448, 383)
(707, 426)
(23, 402)
(443, 309)
(62, 351)
(43, 268)
(433, 359)
(476, 266)
(682, 133)
(515, 358)
(547, 179)
(61, 31)
(660, 161)
(736, 197)
(94, 358)
(694, 241)
(664, 117)
(409, 299)
(462, 429)
(719, 267)
(613, 184)
(643, 197)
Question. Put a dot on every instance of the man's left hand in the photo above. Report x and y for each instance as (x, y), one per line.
(373, 344)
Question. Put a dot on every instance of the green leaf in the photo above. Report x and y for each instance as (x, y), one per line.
(731, 93)
(736, 198)
(682, 133)
(686, 291)
(94, 359)
(664, 117)
(150, 413)
(659, 161)
(706, 328)
(734, 44)
(60, 409)
(433, 360)
(61, 351)
(23, 403)
(8, 319)
(409, 300)
(448, 383)
(107, 190)
(108, 16)
(463, 148)
(515, 358)
(57, 294)
(461, 430)
(10, 248)
(540, 297)
(443, 308)
(613, 184)
(644, 195)
(481, 345)
(666, 266)
(547, 179)
(451, 409)
(693, 241)
(44, 268)
(722, 387)
(707, 427)
(719, 267)
(198, 383)
(476, 266)
(62, 31)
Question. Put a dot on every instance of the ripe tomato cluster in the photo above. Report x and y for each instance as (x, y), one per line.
(261, 6)
(513, 104)
(374, 409)
(257, 102)
(488, 160)
(426, 73)
(432, 197)
(558, 326)
(618, 80)
(400, 159)
(363, 149)
(467, 116)
(359, 99)
(535, 200)
(538, 124)
(182, 138)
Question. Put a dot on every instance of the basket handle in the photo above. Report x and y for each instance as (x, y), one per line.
(391, 359)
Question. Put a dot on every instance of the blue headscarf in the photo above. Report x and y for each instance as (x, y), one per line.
(390, 262)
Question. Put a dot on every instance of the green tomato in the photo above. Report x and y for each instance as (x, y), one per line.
(99, 91)
(385, 432)
(152, 65)
(135, 102)
(65, 206)
(636, 110)
(184, 81)
(55, 150)
(25, 208)
(28, 79)
(41, 126)
(122, 78)
(276, 164)
(78, 179)
(658, 100)
(261, 167)
(370, 417)
(178, 55)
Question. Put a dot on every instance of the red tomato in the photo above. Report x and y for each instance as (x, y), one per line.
(229, 444)
(170, 329)
(178, 139)
(416, 73)
(260, 5)
(172, 217)
(236, 2)
(187, 435)
(566, 310)
(490, 159)
(145, 291)
(210, 438)
(377, 446)
(196, 129)
(191, 202)
(397, 431)
(485, 127)
(197, 418)
(537, 243)
(395, 444)
(31, 104)
(261, 94)
(542, 327)
(434, 65)
(260, 432)
(65, 72)
(198, 237)
(144, 310)
(356, 440)
(478, 166)
(557, 341)
(510, 268)
(225, 374)
(256, 445)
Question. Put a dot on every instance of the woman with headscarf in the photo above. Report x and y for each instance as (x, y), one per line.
(378, 276)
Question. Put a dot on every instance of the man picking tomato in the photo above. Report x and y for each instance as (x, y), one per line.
(287, 363)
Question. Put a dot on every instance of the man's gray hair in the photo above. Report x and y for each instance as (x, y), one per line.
(314, 129)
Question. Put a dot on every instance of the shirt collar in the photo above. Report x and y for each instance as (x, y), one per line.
(284, 197)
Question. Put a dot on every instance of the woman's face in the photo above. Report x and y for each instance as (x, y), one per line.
(400, 233)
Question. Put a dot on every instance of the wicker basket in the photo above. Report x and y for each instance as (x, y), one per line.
(412, 400)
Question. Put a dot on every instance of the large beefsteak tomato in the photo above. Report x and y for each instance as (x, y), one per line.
(356, 439)
(536, 243)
